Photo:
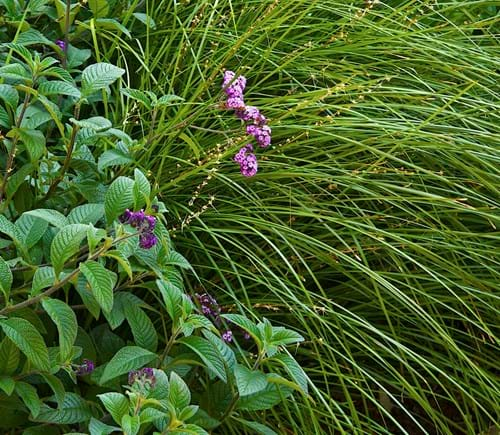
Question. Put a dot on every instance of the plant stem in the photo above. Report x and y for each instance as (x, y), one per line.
(66, 33)
(12, 152)
(67, 159)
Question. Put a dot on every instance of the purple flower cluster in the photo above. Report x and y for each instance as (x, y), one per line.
(85, 368)
(144, 377)
(61, 44)
(145, 226)
(247, 160)
(256, 122)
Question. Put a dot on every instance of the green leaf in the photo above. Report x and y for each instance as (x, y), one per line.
(244, 324)
(142, 189)
(32, 36)
(145, 19)
(282, 336)
(99, 75)
(44, 277)
(29, 396)
(31, 229)
(112, 24)
(56, 386)
(175, 259)
(131, 424)
(142, 327)
(7, 384)
(66, 243)
(53, 217)
(126, 359)
(86, 214)
(172, 297)
(270, 396)
(249, 381)
(225, 351)
(5, 120)
(9, 95)
(15, 71)
(9, 357)
(100, 8)
(101, 283)
(150, 415)
(179, 395)
(137, 95)
(34, 140)
(116, 404)
(5, 279)
(122, 261)
(74, 409)
(58, 87)
(113, 157)
(67, 326)
(118, 197)
(294, 370)
(98, 428)
(7, 227)
(208, 353)
(258, 428)
(96, 123)
(26, 337)
(165, 100)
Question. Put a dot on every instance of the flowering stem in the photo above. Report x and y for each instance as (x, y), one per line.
(67, 16)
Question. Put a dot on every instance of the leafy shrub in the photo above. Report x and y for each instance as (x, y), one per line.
(97, 332)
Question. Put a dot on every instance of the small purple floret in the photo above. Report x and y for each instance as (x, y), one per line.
(61, 44)
(145, 225)
(147, 240)
(228, 336)
(85, 368)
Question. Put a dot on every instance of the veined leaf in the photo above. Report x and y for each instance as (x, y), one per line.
(34, 140)
(126, 359)
(116, 404)
(67, 326)
(73, 409)
(9, 95)
(86, 214)
(142, 327)
(101, 283)
(100, 8)
(98, 428)
(7, 384)
(172, 297)
(179, 394)
(249, 381)
(9, 357)
(118, 197)
(99, 75)
(145, 19)
(208, 353)
(131, 424)
(137, 95)
(29, 396)
(294, 370)
(31, 229)
(44, 277)
(29, 341)
(113, 157)
(175, 259)
(142, 189)
(270, 396)
(245, 324)
(96, 123)
(5, 279)
(66, 243)
(58, 87)
(53, 217)
(165, 100)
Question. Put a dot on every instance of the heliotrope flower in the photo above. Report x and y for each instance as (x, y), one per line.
(143, 378)
(85, 368)
(144, 224)
(61, 44)
(247, 161)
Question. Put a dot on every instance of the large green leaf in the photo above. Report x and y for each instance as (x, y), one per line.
(7, 384)
(33, 140)
(26, 337)
(172, 297)
(99, 75)
(179, 394)
(100, 8)
(67, 326)
(101, 283)
(98, 428)
(244, 324)
(66, 243)
(5, 279)
(9, 95)
(249, 381)
(142, 189)
(142, 327)
(9, 357)
(31, 229)
(126, 359)
(29, 396)
(208, 353)
(294, 370)
(53, 217)
(118, 197)
(116, 404)
(44, 277)
(113, 157)
(137, 95)
(73, 409)
(270, 396)
(58, 87)
(86, 214)
(7, 227)
(96, 123)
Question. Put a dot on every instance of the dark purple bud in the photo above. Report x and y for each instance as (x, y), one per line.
(61, 44)
(136, 218)
(147, 240)
(85, 368)
(155, 208)
(228, 336)
(124, 218)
